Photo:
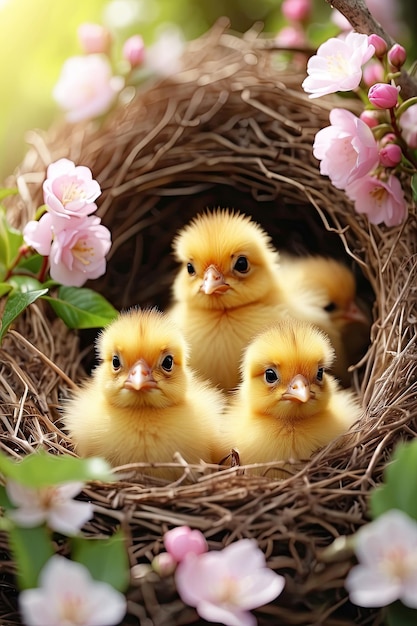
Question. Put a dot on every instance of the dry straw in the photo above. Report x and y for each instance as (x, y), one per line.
(232, 129)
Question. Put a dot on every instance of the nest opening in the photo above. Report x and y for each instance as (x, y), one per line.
(230, 130)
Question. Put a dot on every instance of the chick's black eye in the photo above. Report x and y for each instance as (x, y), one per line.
(330, 307)
(270, 376)
(190, 269)
(116, 362)
(320, 373)
(241, 265)
(168, 363)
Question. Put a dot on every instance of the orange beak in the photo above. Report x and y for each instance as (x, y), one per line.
(298, 390)
(354, 314)
(213, 281)
(140, 377)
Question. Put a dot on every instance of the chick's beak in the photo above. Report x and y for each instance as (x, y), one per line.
(354, 314)
(298, 390)
(213, 281)
(140, 377)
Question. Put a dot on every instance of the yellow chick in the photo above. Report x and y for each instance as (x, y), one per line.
(325, 290)
(143, 403)
(225, 291)
(287, 406)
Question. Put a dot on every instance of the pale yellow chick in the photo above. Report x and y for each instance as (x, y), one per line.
(225, 291)
(287, 406)
(322, 291)
(143, 403)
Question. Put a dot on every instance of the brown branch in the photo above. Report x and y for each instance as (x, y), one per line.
(358, 14)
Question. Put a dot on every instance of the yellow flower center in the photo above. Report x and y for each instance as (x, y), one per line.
(71, 191)
(378, 194)
(83, 252)
(398, 563)
(72, 610)
(338, 65)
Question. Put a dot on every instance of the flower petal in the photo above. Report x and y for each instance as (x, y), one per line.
(225, 614)
(367, 587)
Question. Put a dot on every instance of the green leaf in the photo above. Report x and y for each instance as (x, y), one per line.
(5, 192)
(399, 615)
(398, 492)
(32, 264)
(31, 548)
(10, 241)
(4, 288)
(41, 469)
(16, 303)
(4, 499)
(82, 308)
(24, 284)
(106, 559)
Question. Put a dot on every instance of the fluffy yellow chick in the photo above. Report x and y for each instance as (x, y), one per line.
(325, 290)
(287, 406)
(225, 291)
(143, 403)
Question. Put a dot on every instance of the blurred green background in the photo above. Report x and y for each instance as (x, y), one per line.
(38, 35)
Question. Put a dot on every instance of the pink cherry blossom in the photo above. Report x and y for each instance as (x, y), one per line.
(164, 56)
(164, 564)
(224, 586)
(53, 505)
(380, 201)
(291, 37)
(69, 596)
(370, 118)
(387, 555)
(86, 87)
(408, 122)
(94, 38)
(373, 72)
(134, 50)
(70, 190)
(337, 66)
(39, 234)
(379, 44)
(347, 149)
(78, 251)
(182, 540)
(296, 10)
(383, 96)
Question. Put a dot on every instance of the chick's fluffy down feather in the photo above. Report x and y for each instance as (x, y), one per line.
(225, 291)
(287, 406)
(143, 403)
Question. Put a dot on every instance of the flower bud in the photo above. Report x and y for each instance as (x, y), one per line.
(134, 50)
(372, 73)
(379, 44)
(164, 564)
(390, 155)
(182, 540)
(383, 96)
(397, 56)
(94, 39)
(296, 10)
(370, 118)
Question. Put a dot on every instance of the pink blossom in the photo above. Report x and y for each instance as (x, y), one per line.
(164, 564)
(373, 72)
(390, 155)
(164, 56)
(224, 586)
(134, 50)
(39, 234)
(296, 10)
(291, 37)
(337, 66)
(78, 251)
(182, 540)
(380, 201)
(70, 190)
(387, 555)
(53, 505)
(68, 596)
(383, 96)
(347, 149)
(397, 56)
(86, 87)
(94, 38)
(408, 122)
(379, 44)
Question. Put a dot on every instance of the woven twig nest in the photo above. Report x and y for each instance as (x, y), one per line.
(231, 129)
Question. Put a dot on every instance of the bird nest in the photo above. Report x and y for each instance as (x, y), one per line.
(232, 129)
